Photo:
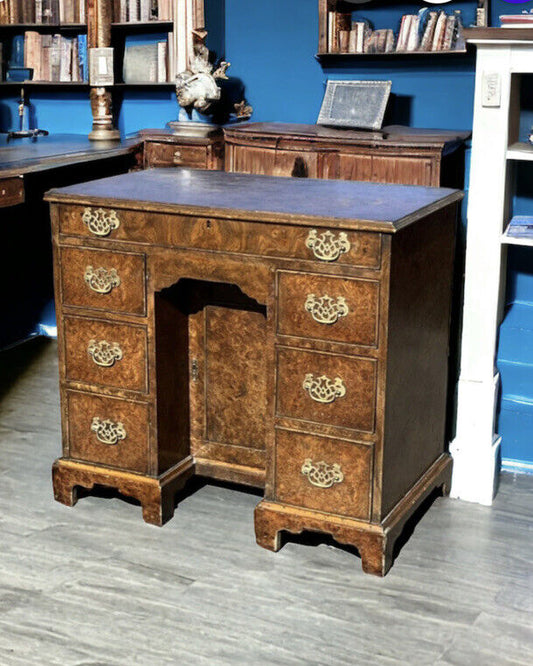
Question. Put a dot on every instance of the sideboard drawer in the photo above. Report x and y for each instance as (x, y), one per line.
(102, 280)
(168, 155)
(108, 431)
(327, 388)
(324, 474)
(327, 246)
(328, 308)
(97, 352)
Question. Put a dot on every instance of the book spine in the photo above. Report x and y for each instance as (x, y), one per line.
(439, 32)
(449, 32)
(144, 10)
(162, 62)
(82, 57)
(55, 57)
(412, 37)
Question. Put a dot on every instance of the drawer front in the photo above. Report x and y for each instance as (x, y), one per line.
(101, 280)
(324, 474)
(108, 431)
(167, 155)
(11, 192)
(327, 308)
(106, 354)
(327, 388)
(326, 246)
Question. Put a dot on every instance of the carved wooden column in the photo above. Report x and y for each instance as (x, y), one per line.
(99, 16)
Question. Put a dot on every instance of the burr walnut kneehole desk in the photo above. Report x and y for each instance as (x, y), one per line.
(289, 334)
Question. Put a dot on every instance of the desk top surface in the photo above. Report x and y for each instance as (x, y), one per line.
(301, 201)
(21, 156)
(391, 135)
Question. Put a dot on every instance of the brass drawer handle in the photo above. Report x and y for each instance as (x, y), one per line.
(101, 280)
(107, 431)
(99, 221)
(323, 389)
(104, 353)
(177, 157)
(326, 247)
(326, 310)
(322, 475)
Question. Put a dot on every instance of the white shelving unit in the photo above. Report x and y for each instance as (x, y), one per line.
(502, 55)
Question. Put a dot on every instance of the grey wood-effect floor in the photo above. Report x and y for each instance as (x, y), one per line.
(94, 585)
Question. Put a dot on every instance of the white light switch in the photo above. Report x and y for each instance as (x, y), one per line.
(491, 89)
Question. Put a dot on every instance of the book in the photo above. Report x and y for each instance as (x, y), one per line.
(65, 59)
(403, 34)
(162, 56)
(55, 57)
(520, 226)
(429, 31)
(524, 20)
(412, 37)
(82, 57)
(449, 34)
(140, 63)
(438, 36)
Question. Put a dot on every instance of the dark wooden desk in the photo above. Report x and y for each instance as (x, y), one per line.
(27, 169)
(290, 334)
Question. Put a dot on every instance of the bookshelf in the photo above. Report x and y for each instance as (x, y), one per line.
(47, 37)
(343, 35)
(498, 149)
(107, 24)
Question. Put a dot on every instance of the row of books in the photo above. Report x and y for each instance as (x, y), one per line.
(56, 57)
(426, 31)
(148, 63)
(134, 11)
(42, 12)
(430, 31)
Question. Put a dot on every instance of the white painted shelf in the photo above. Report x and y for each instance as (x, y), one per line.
(520, 151)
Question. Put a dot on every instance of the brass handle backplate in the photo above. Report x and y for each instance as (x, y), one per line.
(326, 310)
(107, 431)
(177, 157)
(104, 353)
(101, 280)
(99, 221)
(326, 247)
(322, 475)
(323, 389)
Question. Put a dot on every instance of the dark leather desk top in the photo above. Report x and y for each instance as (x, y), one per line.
(21, 156)
(355, 205)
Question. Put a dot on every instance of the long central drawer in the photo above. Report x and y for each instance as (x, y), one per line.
(327, 246)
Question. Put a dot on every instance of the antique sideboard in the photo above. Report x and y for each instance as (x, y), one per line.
(289, 334)
(398, 154)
